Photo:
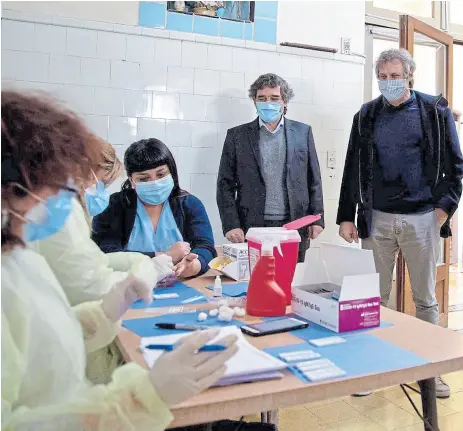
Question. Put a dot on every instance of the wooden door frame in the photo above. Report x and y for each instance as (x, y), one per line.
(408, 26)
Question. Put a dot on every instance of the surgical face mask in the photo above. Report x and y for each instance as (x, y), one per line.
(393, 89)
(97, 198)
(155, 192)
(268, 111)
(47, 217)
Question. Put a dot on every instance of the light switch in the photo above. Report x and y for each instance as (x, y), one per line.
(331, 160)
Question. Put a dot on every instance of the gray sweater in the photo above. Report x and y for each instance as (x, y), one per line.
(273, 153)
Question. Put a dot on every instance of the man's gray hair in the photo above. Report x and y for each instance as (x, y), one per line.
(395, 54)
(270, 80)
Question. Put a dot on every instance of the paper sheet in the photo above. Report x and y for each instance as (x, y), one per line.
(249, 364)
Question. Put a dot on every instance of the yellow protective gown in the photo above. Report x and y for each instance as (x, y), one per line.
(83, 270)
(85, 273)
(44, 344)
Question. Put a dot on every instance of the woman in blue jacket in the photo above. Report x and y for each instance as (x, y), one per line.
(153, 215)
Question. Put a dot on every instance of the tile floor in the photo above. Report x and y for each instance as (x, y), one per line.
(384, 410)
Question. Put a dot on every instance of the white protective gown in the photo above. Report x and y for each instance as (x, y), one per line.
(85, 273)
(44, 346)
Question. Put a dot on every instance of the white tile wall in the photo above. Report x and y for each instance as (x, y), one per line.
(80, 42)
(141, 84)
(49, 39)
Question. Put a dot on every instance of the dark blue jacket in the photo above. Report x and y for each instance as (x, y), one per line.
(443, 162)
(241, 188)
(112, 228)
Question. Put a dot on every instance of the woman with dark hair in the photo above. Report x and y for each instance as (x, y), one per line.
(153, 215)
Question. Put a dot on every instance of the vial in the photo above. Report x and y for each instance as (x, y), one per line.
(218, 287)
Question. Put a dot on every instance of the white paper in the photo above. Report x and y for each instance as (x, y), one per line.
(246, 363)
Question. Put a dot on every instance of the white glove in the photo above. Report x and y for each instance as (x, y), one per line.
(163, 265)
(123, 294)
(182, 373)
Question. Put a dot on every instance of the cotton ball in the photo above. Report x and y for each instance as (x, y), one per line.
(222, 303)
(240, 312)
(214, 312)
(225, 317)
(202, 317)
(226, 310)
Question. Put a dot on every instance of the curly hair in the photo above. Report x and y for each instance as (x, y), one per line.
(270, 80)
(43, 144)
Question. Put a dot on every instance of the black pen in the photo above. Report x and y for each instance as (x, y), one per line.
(181, 326)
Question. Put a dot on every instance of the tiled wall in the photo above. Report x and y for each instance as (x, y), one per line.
(130, 83)
(263, 29)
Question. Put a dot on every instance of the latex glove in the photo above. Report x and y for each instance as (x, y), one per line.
(119, 299)
(189, 266)
(314, 231)
(235, 235)
(163, 265)
(178, 251)
(182, 373)
(348, 231)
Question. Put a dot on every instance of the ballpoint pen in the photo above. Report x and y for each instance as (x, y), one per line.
(170, 347)
(182, 327)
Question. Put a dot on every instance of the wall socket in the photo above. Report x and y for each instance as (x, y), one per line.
(346, 45)
(331, 160)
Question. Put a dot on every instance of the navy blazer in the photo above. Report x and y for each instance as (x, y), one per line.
(443, 162)
(112, 228)
(240, 185)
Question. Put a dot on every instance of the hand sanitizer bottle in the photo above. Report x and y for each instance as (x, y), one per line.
(265, 297)
(218, 287)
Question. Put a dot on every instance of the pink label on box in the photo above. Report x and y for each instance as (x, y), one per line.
(359, 314)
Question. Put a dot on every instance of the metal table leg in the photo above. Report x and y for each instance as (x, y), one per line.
(270, 417)
(429, 403)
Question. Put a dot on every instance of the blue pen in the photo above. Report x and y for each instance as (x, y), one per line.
(170, 347)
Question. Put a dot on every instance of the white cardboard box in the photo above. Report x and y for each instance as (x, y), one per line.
(353, 273)
(238, 269)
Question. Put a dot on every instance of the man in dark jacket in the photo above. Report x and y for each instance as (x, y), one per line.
(403, 175)
(269, 172)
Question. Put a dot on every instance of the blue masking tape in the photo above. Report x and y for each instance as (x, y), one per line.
(361, 354)
(233, 290)
(145, 327)
(182, 290)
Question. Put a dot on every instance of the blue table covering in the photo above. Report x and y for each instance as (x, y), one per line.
(182, 290)
(360, 355)
(145, 327)
(233, 290)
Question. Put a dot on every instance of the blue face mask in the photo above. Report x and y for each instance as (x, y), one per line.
(268, 111)
(393, 89)
(97, 198)
(48, 217)
(155, 192)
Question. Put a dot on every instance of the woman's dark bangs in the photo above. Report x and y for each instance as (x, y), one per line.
(144, 159)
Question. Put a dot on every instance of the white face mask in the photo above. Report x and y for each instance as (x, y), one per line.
(393, 89)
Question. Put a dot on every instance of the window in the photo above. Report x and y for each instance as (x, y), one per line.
(456, 18)
(386, 12)
(458, 83)
(232, 10)
(422, 9)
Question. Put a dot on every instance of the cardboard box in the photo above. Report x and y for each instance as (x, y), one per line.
(238, 257)
(352, 274)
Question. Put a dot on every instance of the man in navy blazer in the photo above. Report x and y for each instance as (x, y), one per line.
(269, 173)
